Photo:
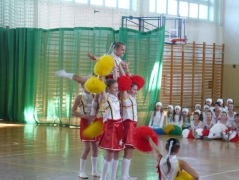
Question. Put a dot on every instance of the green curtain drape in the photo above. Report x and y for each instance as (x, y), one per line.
(18, 67)
(30, 58)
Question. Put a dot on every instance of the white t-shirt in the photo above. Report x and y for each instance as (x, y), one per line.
(157, 120)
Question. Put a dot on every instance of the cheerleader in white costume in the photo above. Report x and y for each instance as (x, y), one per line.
(233, 135)
(169, 114)
(130, 119)
(231, 113)
(223, 125)
(221, 102)
(206, 108)
(157, 116)
(177, 118)
(177, 168)
(207, 125)
(195, 124)
(112, 138)
(84, 102)
(229, 101)
(216, 113)
(186, 118)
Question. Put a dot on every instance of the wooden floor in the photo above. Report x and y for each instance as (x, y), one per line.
(52, 153)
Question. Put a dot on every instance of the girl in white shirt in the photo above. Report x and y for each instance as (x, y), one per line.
(186, 118)
(227, 102)
(231, 113)
(169, 114)
(177, 118)
(157, 117)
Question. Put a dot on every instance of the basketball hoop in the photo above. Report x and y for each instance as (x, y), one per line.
(179, 41)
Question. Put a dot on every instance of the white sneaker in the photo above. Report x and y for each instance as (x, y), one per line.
(82, 175)
(228, 136)
(224, 136)
(60, 73)
(195, 134)
(95, 174)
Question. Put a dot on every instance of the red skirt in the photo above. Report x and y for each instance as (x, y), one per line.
(205, 132)
(235, 139)
(190, 135)
(129, 126)
(113, 136)
(83, 125)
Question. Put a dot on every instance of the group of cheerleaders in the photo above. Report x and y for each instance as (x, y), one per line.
(215, 121)
(118, 109)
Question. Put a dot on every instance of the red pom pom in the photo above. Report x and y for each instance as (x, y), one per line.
(124, 83)
(140, 136)
(138, 80)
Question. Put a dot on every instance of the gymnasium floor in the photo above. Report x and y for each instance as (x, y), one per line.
(52, 153)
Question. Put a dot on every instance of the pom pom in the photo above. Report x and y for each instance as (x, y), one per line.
(184, 176)
(140, 135)
(104, 65)
(138, 80)
(124, 83)
(177, 131)
(94, 85)
(159, 131)
(94, 129)
(168, 128)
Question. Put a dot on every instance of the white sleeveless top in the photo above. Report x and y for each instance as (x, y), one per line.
(174, 167)
(117, 60)
(112, 108)
(200, 125)
(86, 103)
(130, 108)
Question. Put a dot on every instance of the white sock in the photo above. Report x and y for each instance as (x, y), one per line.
(93, 108)
(94, 161)
(104, 170)
(125, 168)
(82, 165)
(114, 166)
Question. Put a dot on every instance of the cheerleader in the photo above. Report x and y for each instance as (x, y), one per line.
(186, 118)
(207, 125)
(157, 117)
(231, 113)
(209, 102)
(117, 54)
(198, 107)
(228, 101)
(232, 136)
(84, 102)
(216, 113)
(223, 125)
(206, 108)
(177, 118)
(169, 114)
(169, 166)
(195, 124)
(130, 119)
(221, 103)
(112, 138)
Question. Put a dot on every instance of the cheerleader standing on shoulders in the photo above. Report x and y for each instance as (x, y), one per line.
(232, 136)
(157, 117)
(195, 124)
(223, 125)
(169, 166)
(169, 114)
(177, 118)
(112, 137)
(84, 102)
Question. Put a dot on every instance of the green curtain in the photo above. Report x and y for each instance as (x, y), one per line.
(32, 56)
(19, 65)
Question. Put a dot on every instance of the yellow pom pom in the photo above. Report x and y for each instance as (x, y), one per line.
(168, 128)
(94, 129)
(94, 85)
(104, 65)
(184, 176)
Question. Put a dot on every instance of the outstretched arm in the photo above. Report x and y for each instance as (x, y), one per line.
(185, 166)
(156, 153)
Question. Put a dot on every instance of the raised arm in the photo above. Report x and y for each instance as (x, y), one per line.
(156, 153)
(92, 57)
(185, 166)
